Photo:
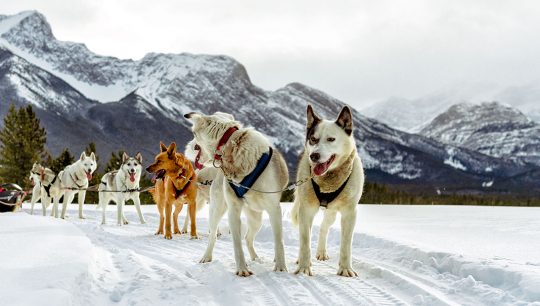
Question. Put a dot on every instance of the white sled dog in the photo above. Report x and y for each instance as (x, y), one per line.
(330, 157)
(245, 157)
(36, 189)
(75, 179)
(206, 173)
(115, 184)
(49, 187)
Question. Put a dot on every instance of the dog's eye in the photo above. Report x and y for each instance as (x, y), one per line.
(313, 140)
(331, 139)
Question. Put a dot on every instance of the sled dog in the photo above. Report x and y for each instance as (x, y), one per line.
(330, 158)
(35, 180)
(49, 187)
(244, 157)
(74, 179)
(176, 184)
(120, 186)
(206, 173)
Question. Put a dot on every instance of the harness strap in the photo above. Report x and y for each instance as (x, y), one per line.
(325, 198)
(240, 189)
(75, 180)
(48, 187)
(223, 140)
(178, 193)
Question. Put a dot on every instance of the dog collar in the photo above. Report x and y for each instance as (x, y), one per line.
(223, 140)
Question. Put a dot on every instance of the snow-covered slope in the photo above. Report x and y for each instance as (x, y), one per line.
(490, 128)
(404, 255)
(146, 100)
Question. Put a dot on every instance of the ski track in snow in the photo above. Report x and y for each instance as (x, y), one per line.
(132, 266)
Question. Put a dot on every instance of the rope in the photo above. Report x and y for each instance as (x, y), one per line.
(291, 186)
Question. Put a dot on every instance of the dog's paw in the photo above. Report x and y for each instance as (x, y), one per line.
(126, 222)
(183, 231)
(206, 259)
(82, 217)
(304, 269)
(143, 222)
(347, 272)
(194, 237)
(244, 272)
(177, 231)
(168, 235)
(322, 255)
(280, 267)
(159, 233)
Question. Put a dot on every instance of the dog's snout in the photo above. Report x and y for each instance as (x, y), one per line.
(132, 170)
(314, 157)
(148, 169)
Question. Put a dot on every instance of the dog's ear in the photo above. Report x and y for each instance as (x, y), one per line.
(93, 156)
(193, 115)
(162, 147)
(171, 150)
(138, 157)
(125, 157)
(312, 118)
(83, 155)
(344, 120)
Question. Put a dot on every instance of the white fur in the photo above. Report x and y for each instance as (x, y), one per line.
(115, 182)
(240, 154)
(36, 191)
(74, 176)
(306, 204)
(39, 191)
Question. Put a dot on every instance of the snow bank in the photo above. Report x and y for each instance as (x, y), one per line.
(44, 260)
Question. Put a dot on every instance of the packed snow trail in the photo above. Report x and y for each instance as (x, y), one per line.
(131, 266)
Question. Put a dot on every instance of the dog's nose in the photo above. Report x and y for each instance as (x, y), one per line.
(132, 170)
(148, 169)
(314, 157)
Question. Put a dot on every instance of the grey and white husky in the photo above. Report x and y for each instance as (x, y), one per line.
(122, 185)
(330, 157)
(74, 179)
(238, 152)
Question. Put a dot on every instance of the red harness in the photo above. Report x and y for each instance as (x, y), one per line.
(223, 140)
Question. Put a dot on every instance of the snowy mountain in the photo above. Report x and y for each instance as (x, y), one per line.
(126, 104)
(412, 115)
(490, 128)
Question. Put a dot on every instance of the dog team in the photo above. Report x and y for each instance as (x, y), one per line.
(235, 169)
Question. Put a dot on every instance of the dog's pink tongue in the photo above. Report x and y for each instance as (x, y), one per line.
(132, 177)
(89, 176)
(154, 178)
(320, 169)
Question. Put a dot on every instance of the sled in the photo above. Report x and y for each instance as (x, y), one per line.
(11, 197)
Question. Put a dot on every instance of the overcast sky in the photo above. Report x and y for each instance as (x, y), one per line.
(358, 51)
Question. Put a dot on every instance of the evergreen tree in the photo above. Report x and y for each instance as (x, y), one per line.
(63, 160)
(22, 142)
(114, 162)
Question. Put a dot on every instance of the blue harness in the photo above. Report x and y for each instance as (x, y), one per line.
(243, 187)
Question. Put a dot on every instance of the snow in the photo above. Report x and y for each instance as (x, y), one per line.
(42, 259)
(421, 255)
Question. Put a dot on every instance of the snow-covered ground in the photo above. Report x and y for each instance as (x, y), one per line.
(430, 255)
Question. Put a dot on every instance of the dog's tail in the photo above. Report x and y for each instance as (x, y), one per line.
(294, 213)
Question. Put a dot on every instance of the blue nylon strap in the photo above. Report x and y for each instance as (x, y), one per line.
(251, 178)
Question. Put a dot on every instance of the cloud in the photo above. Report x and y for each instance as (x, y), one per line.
(359, 51)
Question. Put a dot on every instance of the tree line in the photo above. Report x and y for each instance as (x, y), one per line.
(22, 143)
